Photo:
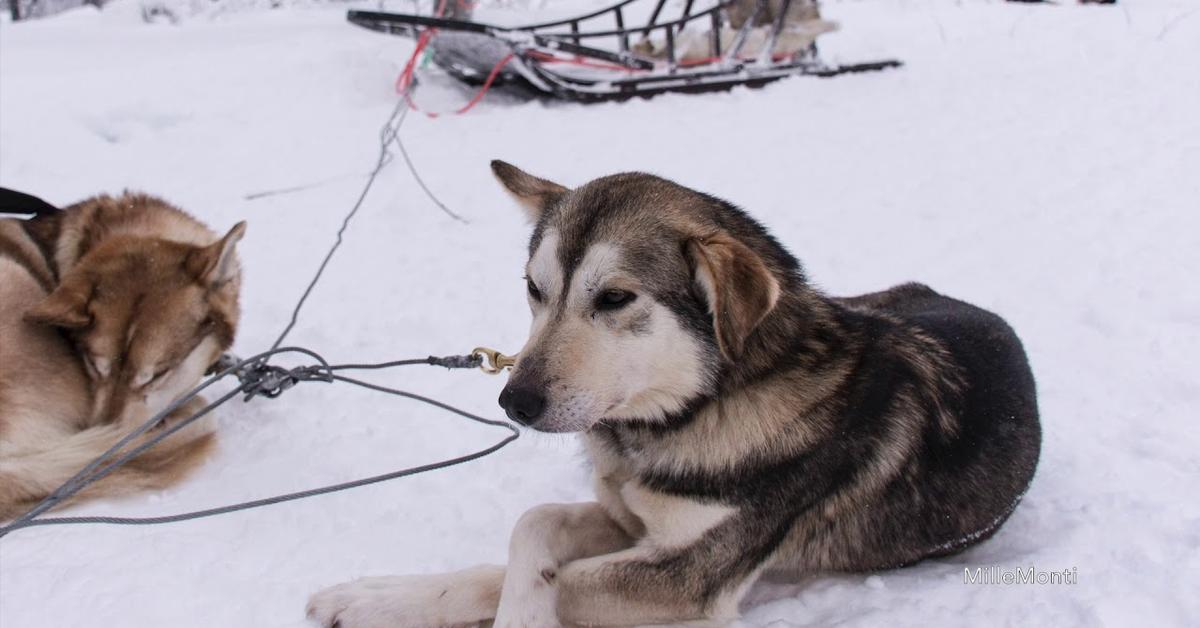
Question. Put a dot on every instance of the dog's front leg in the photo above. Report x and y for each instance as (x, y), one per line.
(699, 585)
(545, 539)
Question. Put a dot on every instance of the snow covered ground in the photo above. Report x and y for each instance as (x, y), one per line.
(1041, 161)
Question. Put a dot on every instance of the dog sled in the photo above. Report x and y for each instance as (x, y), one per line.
(608, 55)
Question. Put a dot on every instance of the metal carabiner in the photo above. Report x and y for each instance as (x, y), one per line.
(493, 361)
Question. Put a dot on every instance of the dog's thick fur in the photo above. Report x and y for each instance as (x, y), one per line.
(742, 424)
(109, 311)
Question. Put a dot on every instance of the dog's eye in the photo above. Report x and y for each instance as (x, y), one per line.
(534, 293)
(614, 299)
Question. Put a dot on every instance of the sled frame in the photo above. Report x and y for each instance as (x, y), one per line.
(536, 47)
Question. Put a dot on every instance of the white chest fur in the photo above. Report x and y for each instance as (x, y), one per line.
(670, 521)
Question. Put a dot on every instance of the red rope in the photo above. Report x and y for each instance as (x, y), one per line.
(487, 84)
(405, 80)
(543, 57)
(406, 76)
(538, 55)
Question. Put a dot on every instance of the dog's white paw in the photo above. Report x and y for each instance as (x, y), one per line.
(530, 603)
(455, 599)
(366, 603)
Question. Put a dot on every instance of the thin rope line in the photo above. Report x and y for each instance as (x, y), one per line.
(421, 182)
(386, 134)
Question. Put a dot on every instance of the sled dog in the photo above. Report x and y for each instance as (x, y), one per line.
(741, 424)
(110, 310)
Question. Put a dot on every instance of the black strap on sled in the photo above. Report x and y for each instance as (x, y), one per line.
(14, 202)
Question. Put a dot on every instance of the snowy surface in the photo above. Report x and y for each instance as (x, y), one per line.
(1041, 161)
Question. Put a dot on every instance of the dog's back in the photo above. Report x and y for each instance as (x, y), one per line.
(997, 438)
(43, 389)
(32, 357)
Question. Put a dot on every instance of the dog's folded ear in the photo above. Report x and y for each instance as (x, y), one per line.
(534, 195)
(213, 265)
(66, 306)
(740, 289)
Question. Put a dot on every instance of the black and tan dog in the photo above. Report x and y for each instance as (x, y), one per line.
(742, 424)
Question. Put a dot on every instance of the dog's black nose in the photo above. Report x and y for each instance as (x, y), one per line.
(523, 405)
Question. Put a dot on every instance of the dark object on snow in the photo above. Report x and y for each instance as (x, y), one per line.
(14, 202)
(26, 9)
(695, 52)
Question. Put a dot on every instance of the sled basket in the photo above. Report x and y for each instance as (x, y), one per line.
(612, 60)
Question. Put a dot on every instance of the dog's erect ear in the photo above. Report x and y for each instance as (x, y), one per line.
(213, 264)
(66, 307)
(741, 290)
(535, 195)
